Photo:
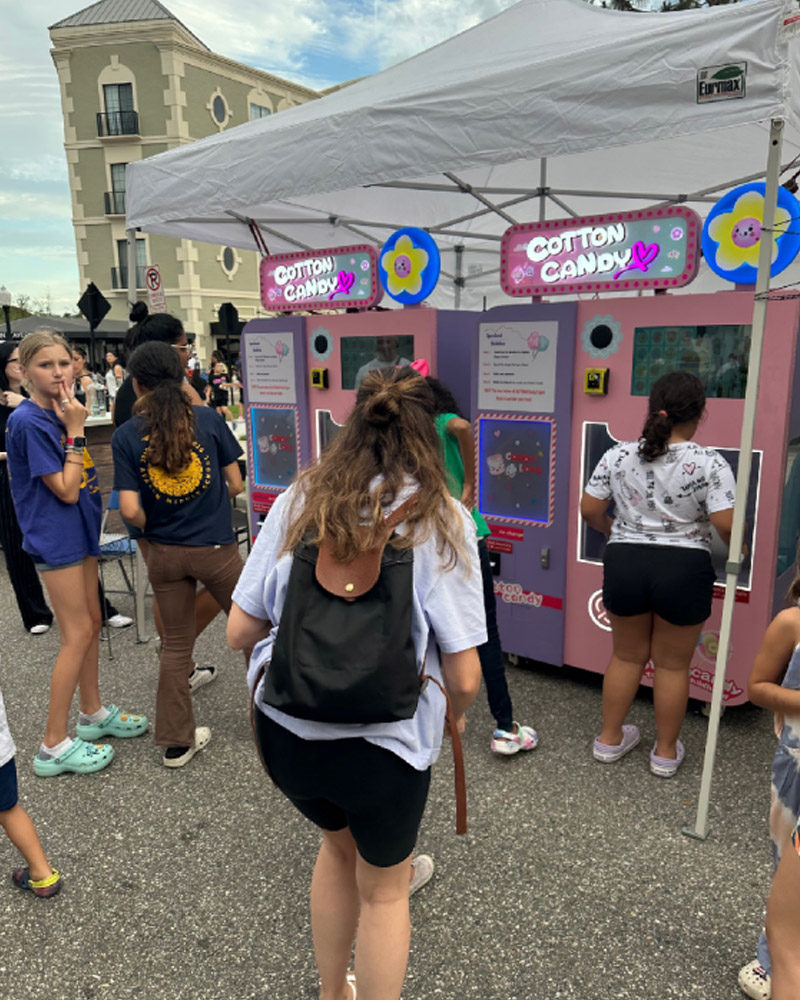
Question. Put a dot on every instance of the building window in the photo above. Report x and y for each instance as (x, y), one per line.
(259, 111)
(115, 198)
(119, 275)
(120, 118)
(229, 260)
(219, 109)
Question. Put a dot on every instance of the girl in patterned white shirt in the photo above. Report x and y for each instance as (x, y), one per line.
(657, 579)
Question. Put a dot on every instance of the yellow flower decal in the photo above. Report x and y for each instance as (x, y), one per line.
(404, 266)
(738, 232)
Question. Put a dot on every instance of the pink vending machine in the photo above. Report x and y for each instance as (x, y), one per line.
(631, 342)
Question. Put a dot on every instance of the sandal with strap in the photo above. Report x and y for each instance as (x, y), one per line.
(44, 888)
(116, 723)
(79, 758)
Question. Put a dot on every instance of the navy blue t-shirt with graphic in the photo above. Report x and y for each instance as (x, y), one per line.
(192, 507)
(53, 532)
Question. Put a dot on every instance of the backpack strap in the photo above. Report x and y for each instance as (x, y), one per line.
(458, 759)
(356, 578)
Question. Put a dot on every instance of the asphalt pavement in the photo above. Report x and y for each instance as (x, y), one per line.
(573, 883)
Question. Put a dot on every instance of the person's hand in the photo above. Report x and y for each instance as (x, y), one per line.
(12, 399)
(73, 412)
(468, 496)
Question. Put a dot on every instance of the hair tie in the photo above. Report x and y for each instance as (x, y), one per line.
(420, 366)
(662, 413)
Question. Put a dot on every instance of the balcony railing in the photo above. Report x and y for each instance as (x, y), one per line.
(111, 123)
(119, 277)
(115, 202)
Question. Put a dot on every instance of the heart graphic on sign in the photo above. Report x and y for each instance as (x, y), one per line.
(642, 257)
(689, 467)
(344, 282)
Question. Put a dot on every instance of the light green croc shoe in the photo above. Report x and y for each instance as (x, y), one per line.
(117, 723)
(79, 758)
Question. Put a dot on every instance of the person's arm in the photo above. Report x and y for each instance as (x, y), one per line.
(66, 484)
(11, 400)
(462, 678)
(595, 513)
(777, 646)
(461, 430)
(245, 630)
(722, 520)
(233, 477)
(130, 507)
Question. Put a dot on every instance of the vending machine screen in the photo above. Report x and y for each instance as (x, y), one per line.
(515, 472)
(717, 355)
(362, 354)
(274, 445)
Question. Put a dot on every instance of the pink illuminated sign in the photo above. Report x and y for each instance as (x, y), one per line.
(341, 278)
(651, 248)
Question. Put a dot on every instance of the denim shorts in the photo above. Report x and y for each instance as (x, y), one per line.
(9, 795)
(44, 567)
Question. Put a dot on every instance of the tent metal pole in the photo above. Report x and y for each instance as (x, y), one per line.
(733, 566)
(542, 188)
(458, 281)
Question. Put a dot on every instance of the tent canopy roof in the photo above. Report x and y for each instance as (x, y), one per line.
(521, 117)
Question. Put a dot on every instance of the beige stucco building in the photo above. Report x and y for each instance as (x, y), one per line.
(134, 82)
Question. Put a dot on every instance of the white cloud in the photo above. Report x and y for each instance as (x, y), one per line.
(33, 205)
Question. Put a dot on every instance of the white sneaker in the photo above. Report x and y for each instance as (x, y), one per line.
(755, 981)
(39, 629)
(202, 737)
(201, 676)
(119, 621)
(422, 866)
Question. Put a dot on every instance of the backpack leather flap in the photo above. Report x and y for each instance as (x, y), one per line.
(350, 580)
(358, 577)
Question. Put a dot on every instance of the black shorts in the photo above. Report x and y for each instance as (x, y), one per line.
(349, 783)
(9, 796)
(675, 583)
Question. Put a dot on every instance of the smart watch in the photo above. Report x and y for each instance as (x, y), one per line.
(78, 443)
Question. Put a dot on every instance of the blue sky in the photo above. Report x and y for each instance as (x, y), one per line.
(314, 42)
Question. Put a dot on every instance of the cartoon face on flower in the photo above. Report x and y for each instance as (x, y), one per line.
(746, 233)
(735, 226)
(404, 266)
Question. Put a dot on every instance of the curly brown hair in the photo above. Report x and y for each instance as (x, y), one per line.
(388, 439)
(675, 398)
(164, 407)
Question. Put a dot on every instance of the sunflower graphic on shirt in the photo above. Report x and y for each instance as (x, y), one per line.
(178, 488)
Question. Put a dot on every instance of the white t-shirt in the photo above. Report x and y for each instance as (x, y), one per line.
(7, 748)
(666, 501)
(447, 609)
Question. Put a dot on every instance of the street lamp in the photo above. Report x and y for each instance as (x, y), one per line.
(5, 302)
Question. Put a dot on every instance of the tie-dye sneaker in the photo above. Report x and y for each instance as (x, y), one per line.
(508, 742)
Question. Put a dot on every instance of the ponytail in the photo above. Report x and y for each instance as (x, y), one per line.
(676, 398)
(164, 407)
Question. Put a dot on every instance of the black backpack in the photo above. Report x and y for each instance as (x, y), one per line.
(344, 651)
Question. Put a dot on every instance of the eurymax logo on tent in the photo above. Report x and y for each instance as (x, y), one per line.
(721, 83)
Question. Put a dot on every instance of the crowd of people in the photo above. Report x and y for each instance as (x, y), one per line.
(376, 548)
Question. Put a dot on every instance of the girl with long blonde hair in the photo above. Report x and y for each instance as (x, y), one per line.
(57, 498)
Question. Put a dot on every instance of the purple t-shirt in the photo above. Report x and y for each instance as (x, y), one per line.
(53, 532)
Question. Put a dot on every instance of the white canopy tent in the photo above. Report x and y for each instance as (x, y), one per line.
(553, 107)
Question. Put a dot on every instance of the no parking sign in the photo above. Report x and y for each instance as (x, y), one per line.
(155, 290)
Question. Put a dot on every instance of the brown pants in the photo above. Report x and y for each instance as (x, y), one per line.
(174, 571)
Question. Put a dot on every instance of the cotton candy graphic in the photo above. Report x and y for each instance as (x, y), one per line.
(537, 342)
(281, 349)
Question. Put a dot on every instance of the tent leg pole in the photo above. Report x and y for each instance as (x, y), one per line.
(700, 829)
(131, 235)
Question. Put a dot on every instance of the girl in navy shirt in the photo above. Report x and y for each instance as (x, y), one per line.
(57, 498)
(176, 468)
